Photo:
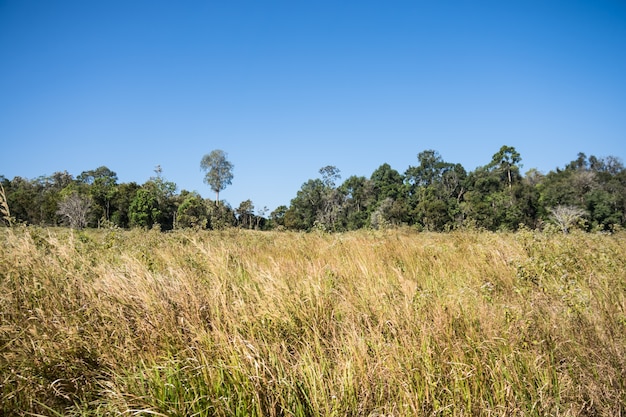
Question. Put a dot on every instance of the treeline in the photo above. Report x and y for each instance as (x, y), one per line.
(434, 195)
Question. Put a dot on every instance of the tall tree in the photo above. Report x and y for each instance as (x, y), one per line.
(332, 199)
(506, 162)
(163, 190)
(219, 171)
(330, 174)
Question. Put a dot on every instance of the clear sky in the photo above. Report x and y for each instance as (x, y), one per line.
(287, 87)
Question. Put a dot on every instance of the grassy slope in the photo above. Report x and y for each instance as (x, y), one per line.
(250, 323)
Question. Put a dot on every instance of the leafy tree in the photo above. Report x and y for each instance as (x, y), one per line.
(192, 213)
(163, 191)
(261, 221)
(22, 199)
(49, 192)
(245, 214)
(496, 198)
(304, 208)
(219, 171)
(435, 189)
(330, 174)
(102, 184)
(144, 209)
(506, 162)
(580, 163)
(220, 216)
(277, 217)
(570, 187)
(332, 199)
(388, 183)
(533, 177)
(59, 180)
(121, 201)
(89, 177)
(430, 170)
(359, 201)
(36, 201)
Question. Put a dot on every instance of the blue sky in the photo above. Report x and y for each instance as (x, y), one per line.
(287, 87)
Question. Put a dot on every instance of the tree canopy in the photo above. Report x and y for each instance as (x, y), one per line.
(219, 171)
(435, 195)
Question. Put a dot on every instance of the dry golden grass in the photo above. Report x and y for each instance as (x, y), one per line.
(5, 213)
(391, 323)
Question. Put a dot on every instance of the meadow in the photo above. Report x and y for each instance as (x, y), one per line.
(369, 323)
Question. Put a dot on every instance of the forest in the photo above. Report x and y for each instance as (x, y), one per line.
(588, 193)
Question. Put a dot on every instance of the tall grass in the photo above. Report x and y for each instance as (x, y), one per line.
(246, 323)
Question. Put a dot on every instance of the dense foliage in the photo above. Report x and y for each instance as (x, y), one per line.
(435, 195)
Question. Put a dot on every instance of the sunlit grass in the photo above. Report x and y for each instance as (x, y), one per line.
(365, 323)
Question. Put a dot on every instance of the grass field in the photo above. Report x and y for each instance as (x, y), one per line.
(244, 323)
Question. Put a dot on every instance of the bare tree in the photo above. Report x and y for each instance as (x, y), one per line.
(566, 216)
(74, 208)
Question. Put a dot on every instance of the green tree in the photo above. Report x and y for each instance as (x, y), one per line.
(388, 183)
(304, 208)
(506, 163)
(359, 201)
(121, 201)
(245, 214)
(595, 185)
(219, 171)
(495, 197)
(330, 174)
(144, 209)
(277, 217)
(102, 184)
(429, 171)
(192, 212)
(22, 198)
(435, 188)
(164, 192)
(221, 216)
(329, 217)
(389, 188)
